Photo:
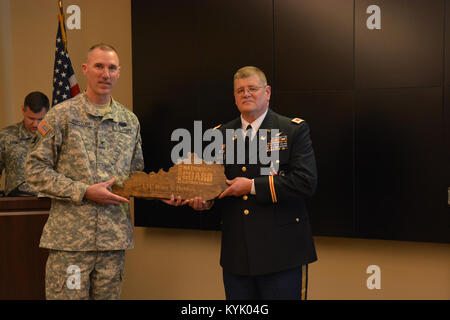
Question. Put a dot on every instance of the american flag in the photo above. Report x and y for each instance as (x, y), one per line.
(65, 85)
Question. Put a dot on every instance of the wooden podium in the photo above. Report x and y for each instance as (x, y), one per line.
(22, 262)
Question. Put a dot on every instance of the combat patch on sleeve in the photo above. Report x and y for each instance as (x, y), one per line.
(297, 120)
(44, 128)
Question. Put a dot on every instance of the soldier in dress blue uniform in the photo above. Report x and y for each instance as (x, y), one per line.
(267, 241)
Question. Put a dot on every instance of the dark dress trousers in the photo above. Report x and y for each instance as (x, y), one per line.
(270, 231)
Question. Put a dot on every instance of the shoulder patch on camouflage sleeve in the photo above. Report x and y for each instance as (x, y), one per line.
(44, 128)
(297, 120)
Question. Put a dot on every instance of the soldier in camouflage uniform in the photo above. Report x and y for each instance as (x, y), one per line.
(82, 146)
(14, 143)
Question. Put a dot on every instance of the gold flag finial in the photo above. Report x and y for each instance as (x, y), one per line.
(61, 19)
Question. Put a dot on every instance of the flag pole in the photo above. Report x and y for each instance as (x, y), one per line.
(61, 19)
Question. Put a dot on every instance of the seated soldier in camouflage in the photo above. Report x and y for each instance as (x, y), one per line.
(81, 146)
(14, 143)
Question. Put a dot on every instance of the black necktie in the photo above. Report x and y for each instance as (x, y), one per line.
(248, 134)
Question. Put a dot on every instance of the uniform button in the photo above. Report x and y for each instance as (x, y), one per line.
(246, 212)
(297, 219)
(244, 169)
(245, 197)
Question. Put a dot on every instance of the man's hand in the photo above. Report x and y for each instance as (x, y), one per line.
(174, 202)
(197, 203)
(237, 187)
(100, 193)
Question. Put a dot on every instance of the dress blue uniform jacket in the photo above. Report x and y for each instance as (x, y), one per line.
(270, 231)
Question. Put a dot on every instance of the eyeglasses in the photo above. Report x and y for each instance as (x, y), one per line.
(243, 90)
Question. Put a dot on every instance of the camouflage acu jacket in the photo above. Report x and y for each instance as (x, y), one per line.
(14, 143)
(75, 147)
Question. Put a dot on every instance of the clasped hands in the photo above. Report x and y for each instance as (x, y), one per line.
(237, 187)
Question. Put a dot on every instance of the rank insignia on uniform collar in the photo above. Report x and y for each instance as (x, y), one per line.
(297, 120)
(44, 128)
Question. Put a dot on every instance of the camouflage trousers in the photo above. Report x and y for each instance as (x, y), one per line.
(83, 275)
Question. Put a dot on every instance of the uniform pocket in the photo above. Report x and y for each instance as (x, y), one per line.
(55, 278)
(286, 215)
(54, 286)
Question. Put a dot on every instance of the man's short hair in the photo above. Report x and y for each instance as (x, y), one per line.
(36, 101)
(249, 71)
(104, 47)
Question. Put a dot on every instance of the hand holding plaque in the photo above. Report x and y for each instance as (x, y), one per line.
(185, 180)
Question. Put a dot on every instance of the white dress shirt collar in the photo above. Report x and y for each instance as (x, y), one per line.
(255, 124)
